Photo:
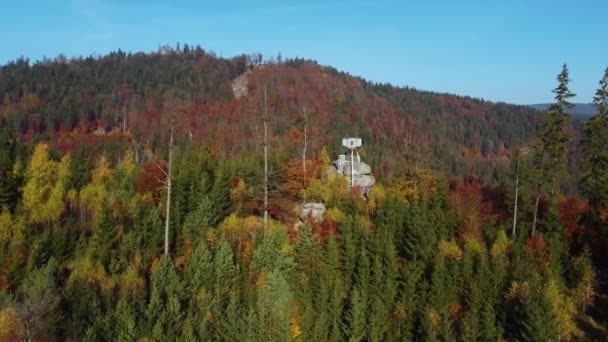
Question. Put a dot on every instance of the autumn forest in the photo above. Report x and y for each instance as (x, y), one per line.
(156, 197)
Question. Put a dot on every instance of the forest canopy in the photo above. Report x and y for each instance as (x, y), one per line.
(489, 221)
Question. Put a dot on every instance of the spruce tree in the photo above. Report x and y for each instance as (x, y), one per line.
(164, 311)
(553, 144)
(41, 299)
(356, 318)
(595, 148)
(554, 130)
(8, 186)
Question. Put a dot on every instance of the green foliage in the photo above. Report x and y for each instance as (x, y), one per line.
(554, 139)
(8, 181)
(80, 252)
(595, 147)
(164, 312)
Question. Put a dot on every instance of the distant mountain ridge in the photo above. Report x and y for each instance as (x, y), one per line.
(581, 110)
(129, 99)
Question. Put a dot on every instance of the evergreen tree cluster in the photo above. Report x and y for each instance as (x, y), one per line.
(424, 257)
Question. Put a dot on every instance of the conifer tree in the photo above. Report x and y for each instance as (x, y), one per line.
(41, 302)
(125, 328)
(274, 307)
(8, 184)
(595, 148)
(553, 143)
(164, 312)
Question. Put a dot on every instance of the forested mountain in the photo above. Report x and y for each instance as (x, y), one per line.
(133, 207)
(136, 94)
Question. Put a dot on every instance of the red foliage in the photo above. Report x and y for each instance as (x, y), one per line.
(537, 251)
(151, 179)
(323, 229)
(570, 209)
(466, 197)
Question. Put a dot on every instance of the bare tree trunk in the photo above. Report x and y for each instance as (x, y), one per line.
(167, 219)
(265, 161)
(305, 146)
(516, 197)
(535, 214)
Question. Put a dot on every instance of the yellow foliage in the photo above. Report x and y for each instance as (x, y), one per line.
(296, 329)
(518, 290)
(500, 248)
(407, 188)
(92, 197)
(232, 227)
(475, 246)
(237, 194)
(262, 279)
(131, 281)
(324, 163)
(102, 172)
(18, 168)
(584, 293)
(86, 271)
(252, 224)
(6, 225)
(43, 190)
(336, 189)
(314, 192)
(211, 237)
(209, 316)
(434, 318)
(364, 223)
(127, 165)
(449, 250)
(565, 311)
(335, 214)
(422, 183)
(376, 196)
(11, 326)
(427, 180)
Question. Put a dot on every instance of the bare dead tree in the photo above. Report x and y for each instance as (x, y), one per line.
(167, 185)
(265, 160)
(167, 218)
(535, 211)
(516, 195)
(305, 114)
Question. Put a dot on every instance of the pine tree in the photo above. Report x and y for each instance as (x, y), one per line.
(539, 322)
(125, 328)
(553, 143)
(595, 148)
(8, 186)
(357, 326)
(41, 302)
(305, 275)
(273, 307)
(164, 311)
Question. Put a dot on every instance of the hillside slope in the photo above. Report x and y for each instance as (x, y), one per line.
(137, 94)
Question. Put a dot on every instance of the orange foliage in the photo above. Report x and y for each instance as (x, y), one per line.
(150, 179)
(295, 178)
(324, 229)
(465, 198)
(570, 209)
(455, 309)
(538, 251)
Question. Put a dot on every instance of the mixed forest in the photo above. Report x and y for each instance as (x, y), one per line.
(134, 189)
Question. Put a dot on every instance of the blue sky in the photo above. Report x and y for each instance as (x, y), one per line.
(501, 50)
